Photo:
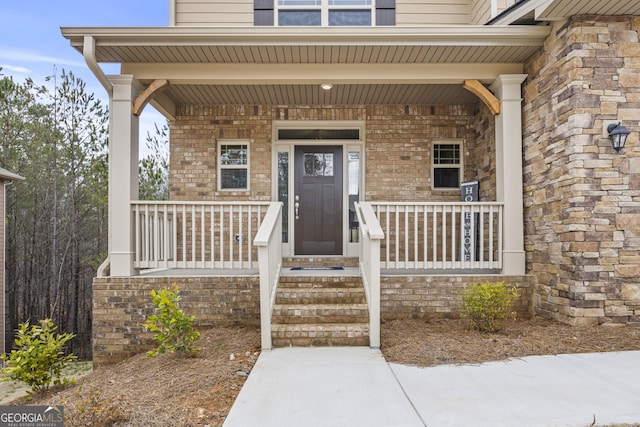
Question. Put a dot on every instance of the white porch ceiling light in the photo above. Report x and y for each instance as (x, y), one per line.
(326, 86)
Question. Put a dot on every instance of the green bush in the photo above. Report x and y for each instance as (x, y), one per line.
(39, 358)
(172, 329)
(488, 305)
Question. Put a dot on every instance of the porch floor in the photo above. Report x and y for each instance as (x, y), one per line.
(288, 271)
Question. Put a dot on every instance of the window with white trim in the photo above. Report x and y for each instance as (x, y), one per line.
(233, 165)
(446, 165)
(324, 13)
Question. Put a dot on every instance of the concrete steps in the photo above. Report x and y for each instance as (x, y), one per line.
(320, 310)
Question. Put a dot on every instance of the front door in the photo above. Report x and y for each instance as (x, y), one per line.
(318, 200)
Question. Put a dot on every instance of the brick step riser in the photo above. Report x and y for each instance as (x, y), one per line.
(320, 335)
(287, 299)
(303, 320)
(319, 282)
(320, 342)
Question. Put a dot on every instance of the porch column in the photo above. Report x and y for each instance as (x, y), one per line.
(123, 173)
(507, 88)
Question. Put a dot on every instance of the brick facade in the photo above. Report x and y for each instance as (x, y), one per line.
(582, 216)
(398, 147)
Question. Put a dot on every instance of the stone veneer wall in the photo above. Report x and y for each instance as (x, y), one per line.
(121, 305)
(582, 210)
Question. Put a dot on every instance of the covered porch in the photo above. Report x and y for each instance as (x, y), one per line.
(382, 79)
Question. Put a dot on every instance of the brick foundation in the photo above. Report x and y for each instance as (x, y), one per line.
(418, 297)
(121, 305)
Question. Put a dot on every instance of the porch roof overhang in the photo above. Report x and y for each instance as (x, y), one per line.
(528, 11)
(285, 65)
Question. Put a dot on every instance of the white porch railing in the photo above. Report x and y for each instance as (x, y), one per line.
(196, 234)
(371, 234)
(269, 244)
(440, 235)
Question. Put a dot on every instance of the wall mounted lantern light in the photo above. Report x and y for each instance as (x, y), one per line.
(618, 135)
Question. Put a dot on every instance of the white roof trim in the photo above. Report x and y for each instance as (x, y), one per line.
(468, 35)
(5, 174)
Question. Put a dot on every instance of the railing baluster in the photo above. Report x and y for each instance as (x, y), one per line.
(434, 235)
(441, 241)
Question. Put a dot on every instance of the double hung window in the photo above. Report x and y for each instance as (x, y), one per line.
(324, 13)
(446, 165)
(233, 165)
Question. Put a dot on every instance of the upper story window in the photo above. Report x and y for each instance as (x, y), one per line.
(325, 13)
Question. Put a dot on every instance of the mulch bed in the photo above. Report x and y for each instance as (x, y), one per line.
(200, 391)
(429, 343)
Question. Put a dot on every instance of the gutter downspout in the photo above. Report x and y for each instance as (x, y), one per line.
(89, 52)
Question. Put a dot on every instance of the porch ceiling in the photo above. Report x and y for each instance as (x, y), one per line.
(349, 94)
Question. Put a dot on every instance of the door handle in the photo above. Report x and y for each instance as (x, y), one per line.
(296, 206)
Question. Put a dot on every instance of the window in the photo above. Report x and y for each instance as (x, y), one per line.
(233, 165)
(324, 12)
(446, 165)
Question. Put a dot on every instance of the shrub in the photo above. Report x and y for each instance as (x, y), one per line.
(39, 358)
(92, 407)
(488, 305)
(172, 329)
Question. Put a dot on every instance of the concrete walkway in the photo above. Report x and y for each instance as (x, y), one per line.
(355, 386)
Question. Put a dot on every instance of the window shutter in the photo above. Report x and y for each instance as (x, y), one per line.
(263, 13)
(386, 12)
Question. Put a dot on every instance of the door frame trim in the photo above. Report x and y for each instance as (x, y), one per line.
(287, 146)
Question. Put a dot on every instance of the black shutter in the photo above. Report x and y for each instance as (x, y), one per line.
(386, 12)
(263, 13)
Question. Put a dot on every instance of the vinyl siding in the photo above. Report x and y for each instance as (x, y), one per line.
(421, 12)
(504, 4)
(480, 11)
(216, 13)
(240, 12)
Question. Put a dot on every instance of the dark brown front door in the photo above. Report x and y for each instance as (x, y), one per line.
(318, 200)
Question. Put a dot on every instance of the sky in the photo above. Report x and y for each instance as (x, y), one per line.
(31, 44)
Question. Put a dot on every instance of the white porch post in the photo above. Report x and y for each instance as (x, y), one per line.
(123, 174)
(509, 169)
